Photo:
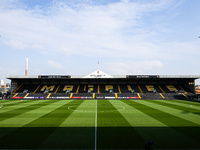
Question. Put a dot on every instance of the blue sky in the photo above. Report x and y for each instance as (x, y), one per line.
(69, 37)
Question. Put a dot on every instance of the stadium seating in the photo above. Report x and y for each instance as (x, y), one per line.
(101, 91)
(30, 88)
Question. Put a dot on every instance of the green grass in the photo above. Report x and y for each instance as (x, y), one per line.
(104, 124)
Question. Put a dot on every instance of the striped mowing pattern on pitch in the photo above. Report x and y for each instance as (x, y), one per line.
(99, 124)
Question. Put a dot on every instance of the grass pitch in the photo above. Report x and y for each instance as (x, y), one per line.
(99, 124)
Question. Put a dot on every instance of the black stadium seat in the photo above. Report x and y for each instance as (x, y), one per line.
(104, 91)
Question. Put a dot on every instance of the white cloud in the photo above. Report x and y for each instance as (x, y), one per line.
(80, 28)
(16, 44)
(6, 71)
(134, 67)
(179, 50)
(54, 64)
(124, 34)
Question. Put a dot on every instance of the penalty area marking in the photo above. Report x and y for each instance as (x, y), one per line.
(118, 107)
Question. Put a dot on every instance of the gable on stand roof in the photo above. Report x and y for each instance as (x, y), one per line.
(98, 74)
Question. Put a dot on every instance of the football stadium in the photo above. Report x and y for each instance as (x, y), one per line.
(100, 111)
(144, 96)
(99, 85)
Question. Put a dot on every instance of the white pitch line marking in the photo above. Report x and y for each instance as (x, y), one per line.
(194, 107)
(96, 127)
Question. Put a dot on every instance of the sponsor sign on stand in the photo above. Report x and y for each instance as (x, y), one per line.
(128, 97)
(110, 97)
(28, 97)
(99, 97)
(81, 97)
(58, 98)
(34, 97)
(17, 97)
